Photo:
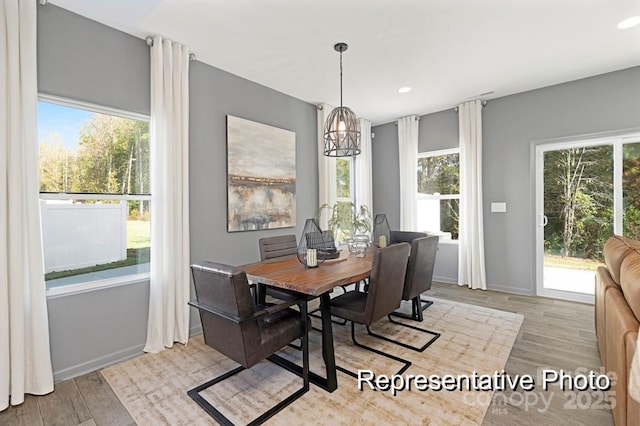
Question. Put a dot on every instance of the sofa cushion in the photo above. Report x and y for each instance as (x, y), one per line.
(630, 281)
(615, 250)
(620, 321)
(633, 406)
(604, 283)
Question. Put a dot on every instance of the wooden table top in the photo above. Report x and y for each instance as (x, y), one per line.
(287, 272)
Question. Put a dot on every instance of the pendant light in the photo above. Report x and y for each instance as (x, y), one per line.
(342, 128)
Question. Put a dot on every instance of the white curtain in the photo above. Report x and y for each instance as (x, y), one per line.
(169, 143)
(25, 361)
(471, 269)
(408, 157)
(326, 170)
(364, 193)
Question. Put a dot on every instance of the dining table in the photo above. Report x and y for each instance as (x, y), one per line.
(288, 273)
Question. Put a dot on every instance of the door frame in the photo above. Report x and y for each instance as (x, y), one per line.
(538, 148)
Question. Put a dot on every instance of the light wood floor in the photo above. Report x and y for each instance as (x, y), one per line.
(555, 335)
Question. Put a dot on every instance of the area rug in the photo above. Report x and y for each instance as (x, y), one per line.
(473, 339)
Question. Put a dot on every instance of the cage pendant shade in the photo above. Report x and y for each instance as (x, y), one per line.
(342, 128)
(342, 133)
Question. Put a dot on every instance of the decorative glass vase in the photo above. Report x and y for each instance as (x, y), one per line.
(360, 248)
(311, 248)
(381, 231)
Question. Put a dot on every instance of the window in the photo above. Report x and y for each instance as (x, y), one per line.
(438, 196)
(94, 193)
(344, 196)
(630, 188)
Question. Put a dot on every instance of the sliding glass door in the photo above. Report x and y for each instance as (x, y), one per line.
(585, 192)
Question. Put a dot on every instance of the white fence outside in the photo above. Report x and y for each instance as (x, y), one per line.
(80, 235)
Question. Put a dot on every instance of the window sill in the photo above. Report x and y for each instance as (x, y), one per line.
(72, 289)
(442, 241)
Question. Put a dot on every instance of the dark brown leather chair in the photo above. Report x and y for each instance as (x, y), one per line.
(419, 275)
(246, 333)
(384, 296)
(404, 236)
(272, 248)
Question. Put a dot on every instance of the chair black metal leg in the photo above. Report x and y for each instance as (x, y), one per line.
(204, 404)
(406, 363)
(422, 348)
(313, 314)
(220, 418)
(417, 306)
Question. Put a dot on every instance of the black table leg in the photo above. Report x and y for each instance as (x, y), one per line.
(330, 382)
(261, 294)
(327, 343)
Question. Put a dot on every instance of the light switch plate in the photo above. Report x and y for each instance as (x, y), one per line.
(498, 207)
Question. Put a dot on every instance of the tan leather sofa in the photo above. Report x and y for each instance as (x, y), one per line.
(617, 309)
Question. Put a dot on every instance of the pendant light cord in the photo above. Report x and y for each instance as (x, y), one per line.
(340, 78)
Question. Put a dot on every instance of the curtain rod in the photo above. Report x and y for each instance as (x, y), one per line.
(149, 40)
(417, 118)
(484, 103)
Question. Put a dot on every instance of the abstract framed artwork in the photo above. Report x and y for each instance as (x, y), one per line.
(261, 176)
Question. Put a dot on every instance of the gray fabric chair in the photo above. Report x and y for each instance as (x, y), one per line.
(272, 248)
(247, 334)
(384, 296)
(419, 276)
(405, 236)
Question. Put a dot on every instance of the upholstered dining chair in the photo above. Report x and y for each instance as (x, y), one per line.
(416, 281)
(383, 297)
(272, 248)
(419, 275)
(243, 332)
(404, 236)
(419, 270)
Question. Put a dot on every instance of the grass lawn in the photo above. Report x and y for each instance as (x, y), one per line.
(138, 233)
(138, 251)
(571, 262)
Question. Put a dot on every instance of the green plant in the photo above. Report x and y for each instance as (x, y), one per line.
(346, 219)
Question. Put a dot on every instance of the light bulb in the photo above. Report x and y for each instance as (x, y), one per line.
(629, 23)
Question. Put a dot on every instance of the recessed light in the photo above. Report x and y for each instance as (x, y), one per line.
(629, 22)
(405, 89)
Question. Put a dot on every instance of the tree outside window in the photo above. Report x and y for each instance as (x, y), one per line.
(89, 159)
(438, 175)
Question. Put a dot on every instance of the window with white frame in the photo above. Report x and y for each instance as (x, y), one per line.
(344, 197)
(438, 198)
(94, 193)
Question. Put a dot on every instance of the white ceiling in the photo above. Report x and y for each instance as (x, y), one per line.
(448, 51)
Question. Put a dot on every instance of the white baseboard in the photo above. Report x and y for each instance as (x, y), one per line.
(493, 287)
(446, 280)
(97, 363)
(107, 360)
(512, 290)
(195, 330)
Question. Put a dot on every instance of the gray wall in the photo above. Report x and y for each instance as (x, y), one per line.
(603, 103)
(436, 131)
(82, 60)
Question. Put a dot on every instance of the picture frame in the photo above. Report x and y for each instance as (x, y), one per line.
(261, 176)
